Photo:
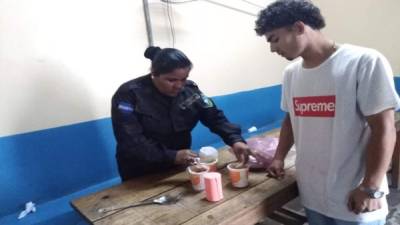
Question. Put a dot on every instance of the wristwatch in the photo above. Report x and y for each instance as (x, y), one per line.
(372, 193)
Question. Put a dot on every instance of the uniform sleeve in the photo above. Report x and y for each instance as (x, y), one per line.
(216, 121)
(375, 87)
(128, 132)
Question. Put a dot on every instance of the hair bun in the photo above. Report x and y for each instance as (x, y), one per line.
(151, 52)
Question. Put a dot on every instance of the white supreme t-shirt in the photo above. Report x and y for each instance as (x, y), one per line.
(328, 106)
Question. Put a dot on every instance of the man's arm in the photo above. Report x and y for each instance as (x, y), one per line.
(379, 153)
(380, 147)
(286, 141)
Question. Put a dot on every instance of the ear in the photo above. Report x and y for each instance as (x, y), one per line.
(298, 27)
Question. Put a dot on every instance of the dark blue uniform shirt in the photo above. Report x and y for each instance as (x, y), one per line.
(150, 127)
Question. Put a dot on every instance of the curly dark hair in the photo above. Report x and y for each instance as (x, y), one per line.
(166, 60)
(283, 13)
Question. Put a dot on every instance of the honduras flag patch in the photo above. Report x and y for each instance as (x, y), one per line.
(125, 107)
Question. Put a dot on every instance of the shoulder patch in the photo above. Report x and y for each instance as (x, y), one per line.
(125, 107)
(207, 101)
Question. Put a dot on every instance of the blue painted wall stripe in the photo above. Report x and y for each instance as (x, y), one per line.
(47, 164)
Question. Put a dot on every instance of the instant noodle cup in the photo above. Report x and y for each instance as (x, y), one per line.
(196, 176)
(239, 174)
(212, 165)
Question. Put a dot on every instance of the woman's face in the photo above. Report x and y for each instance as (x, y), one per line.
(172, 83)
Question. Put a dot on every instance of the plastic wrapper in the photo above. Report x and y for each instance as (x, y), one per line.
(208, 154)
(264, 150)
(29, 207)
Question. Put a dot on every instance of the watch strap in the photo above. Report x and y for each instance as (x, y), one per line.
(372, 192)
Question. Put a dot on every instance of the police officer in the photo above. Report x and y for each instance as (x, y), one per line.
(153, 116)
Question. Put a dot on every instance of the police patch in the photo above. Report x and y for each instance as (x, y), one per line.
(125, 107)
(207, 101)
(189, 101)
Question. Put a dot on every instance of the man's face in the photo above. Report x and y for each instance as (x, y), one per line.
(172, 83)
(285, 42)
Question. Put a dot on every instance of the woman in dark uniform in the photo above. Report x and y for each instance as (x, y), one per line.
(153, 116)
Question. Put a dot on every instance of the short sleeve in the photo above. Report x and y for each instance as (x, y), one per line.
(285, 94)
(375, 87)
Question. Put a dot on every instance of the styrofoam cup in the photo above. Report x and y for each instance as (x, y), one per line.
(196, 177)
(239, 176)
(212, 165)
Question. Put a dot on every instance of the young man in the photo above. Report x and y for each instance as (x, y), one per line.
(340, 102)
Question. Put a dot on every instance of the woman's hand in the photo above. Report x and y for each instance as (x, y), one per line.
(241, 151)
(185, 157)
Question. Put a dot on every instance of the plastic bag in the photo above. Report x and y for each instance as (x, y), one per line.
(264, 150)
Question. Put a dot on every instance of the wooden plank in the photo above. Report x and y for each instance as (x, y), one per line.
(150, 215)
(191, 204)
(255, 178)
(128, 192)
(269, 221)
(190, 207)
(137, 190)
(252, 205)
(286, 219)
(292, 216)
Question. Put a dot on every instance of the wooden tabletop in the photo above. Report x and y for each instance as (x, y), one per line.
(239, 206)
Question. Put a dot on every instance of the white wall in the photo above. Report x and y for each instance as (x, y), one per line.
(227, 54)
(61, 60)
(371, 23)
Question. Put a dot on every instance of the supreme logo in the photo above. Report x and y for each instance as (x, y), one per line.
(316, 106)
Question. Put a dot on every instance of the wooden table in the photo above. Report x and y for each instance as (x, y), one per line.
(239, 206)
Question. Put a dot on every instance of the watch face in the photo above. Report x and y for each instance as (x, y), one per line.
(372, 193)
(377, 194)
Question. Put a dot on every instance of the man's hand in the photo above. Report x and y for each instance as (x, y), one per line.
(241, 151)
(276, 169)
(360, 202)
(185, 157)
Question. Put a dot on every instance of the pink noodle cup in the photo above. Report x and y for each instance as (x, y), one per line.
(213, 185)
(196, 176)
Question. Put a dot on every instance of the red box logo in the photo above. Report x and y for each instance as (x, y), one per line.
(315, 106)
